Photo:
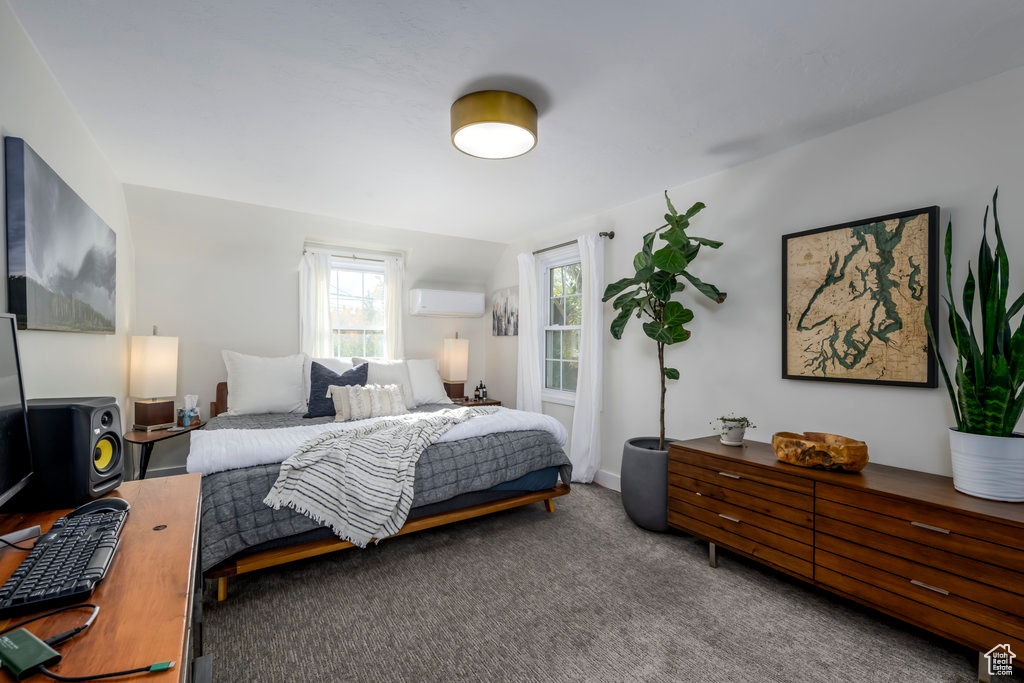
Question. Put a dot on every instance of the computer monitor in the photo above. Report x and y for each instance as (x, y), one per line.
(15, 455)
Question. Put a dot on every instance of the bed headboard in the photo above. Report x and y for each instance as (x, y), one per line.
(221, 404)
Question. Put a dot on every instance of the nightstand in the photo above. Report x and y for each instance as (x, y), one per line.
(481, 402)
(148, 439)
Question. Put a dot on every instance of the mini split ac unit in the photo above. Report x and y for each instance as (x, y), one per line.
(445, 303)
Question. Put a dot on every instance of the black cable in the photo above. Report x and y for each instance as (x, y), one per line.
(113, 674)
(67, 608)
(67, 635)
(14, 545)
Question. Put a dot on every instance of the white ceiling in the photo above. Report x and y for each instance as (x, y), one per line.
(341, 108)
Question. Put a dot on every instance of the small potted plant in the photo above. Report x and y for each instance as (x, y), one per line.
(732, 428)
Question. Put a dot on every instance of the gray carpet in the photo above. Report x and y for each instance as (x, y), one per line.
(578, 595)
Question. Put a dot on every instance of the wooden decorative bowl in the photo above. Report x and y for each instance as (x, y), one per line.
(824, 451)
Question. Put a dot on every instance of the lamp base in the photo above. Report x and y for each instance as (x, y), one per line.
(455, 389)
(153, 415)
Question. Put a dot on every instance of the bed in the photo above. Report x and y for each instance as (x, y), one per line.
(454, 481)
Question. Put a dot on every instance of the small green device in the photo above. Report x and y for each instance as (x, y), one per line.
(21, 653)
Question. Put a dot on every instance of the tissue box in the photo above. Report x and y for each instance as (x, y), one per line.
(188, 420)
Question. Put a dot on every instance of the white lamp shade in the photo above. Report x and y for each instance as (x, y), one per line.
(455, 360)
(154, 367)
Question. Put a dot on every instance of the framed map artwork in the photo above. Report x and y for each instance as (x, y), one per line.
(854, 297)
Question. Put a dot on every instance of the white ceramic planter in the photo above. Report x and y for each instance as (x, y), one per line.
(733, 436)
(988, 466)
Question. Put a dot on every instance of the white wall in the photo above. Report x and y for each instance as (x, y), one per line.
(33, 107)
(224, 275)
(951, 151)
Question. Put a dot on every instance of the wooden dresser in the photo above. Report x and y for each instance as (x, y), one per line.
(905, 543)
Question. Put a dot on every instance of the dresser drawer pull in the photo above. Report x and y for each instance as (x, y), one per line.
(731, 519)
(931, 588)
(929, 527)
(731, 476)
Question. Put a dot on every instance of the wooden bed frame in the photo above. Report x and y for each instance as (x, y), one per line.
(299, 551)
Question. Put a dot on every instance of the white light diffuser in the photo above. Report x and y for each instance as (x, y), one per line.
(154, 367)
(455, 360)
(493, 140)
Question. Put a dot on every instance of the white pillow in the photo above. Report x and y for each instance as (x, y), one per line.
(389, 372)
(359, 403)
(427, 386)
(265, 385)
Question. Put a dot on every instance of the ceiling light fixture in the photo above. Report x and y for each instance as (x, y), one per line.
(494, 124)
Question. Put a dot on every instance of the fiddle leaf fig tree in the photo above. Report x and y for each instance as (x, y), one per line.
(662, 272)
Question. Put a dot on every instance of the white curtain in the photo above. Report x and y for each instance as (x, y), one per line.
(314, 304)
(394, 345)
(585, 449)
(528, 388)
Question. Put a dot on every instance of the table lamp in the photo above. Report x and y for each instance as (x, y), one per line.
(455, 366)
(154, 375)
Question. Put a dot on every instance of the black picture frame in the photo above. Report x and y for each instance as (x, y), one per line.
(931, 261)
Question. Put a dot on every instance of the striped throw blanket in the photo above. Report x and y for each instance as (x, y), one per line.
(359, 482)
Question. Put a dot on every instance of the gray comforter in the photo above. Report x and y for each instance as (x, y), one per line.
(234, 517)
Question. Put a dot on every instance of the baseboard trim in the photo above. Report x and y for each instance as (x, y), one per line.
(608, 480)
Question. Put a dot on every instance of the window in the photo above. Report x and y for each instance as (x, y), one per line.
(562, 320)
(357, 308)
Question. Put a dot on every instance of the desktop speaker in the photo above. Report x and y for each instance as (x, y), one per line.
(77, 452)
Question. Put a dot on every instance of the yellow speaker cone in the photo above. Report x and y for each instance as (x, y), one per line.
(103, 455)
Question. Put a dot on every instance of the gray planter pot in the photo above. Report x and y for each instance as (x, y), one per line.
(644, 480)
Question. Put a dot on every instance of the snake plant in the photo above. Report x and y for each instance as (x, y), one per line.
(659, 277)
(986, 387)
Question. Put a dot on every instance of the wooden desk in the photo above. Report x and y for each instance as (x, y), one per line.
(149, 439)
(146, 598)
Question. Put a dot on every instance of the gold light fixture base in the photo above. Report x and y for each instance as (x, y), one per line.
(494, 124)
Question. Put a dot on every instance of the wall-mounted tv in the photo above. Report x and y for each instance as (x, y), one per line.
(61, 256)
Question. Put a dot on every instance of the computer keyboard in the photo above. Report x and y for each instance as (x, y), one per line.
(66, 563)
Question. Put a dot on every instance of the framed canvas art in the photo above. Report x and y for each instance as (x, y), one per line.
(854, 298)
(61, 256)
(505, 312)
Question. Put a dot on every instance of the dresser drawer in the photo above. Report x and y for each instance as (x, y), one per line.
(990, 574)
(924, 525)
(964, 597)
(755, 543)
(739, 484)
(800, 516)
(974, 635)
(735, 523)
(912, 511)
(739, 471)
(740, 510)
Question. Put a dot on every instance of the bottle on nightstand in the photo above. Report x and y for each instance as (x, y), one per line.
(476, 392)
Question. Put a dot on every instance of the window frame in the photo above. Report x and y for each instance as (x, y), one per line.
(556, 258)
(360, 265)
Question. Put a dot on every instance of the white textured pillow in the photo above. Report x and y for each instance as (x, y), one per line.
(389, 372)
(257, 384)
(427, 386)
(359, 403)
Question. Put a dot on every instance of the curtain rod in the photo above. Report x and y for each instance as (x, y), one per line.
(336, 251)
(347, 256)
(609, 235)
